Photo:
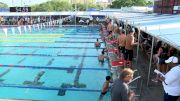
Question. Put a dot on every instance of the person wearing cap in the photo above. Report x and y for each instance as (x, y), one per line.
(120, 90)
(129, 45)
(121, 42)
(171, 81)
(105, 87)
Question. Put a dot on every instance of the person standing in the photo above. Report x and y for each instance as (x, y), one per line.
(171, 81)
(121, 43)
(120, 89)
(129, 45)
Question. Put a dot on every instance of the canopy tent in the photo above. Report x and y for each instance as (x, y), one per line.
(164, 27)
(158, 25)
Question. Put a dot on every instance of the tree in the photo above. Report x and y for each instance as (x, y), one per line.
(62, 5)
(129, 3)
(3, 5)
(149, 3)
(121, 3)
(54, 5)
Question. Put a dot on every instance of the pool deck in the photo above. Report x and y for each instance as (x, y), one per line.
(154, 91)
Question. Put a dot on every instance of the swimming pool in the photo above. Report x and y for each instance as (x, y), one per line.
(52, 64)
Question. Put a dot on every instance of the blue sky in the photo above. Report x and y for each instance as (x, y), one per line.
(24, 2)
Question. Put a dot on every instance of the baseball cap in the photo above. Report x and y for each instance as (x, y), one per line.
(172, 59)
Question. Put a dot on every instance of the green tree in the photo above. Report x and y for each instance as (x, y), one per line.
(121, 3)
(149, 3)
(129, 3)
(53, 5)
(3, 5)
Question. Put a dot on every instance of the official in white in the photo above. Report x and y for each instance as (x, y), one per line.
(171, 80)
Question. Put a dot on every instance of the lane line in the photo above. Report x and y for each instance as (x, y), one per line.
(48, 67)
(47, 55)
(47, 88)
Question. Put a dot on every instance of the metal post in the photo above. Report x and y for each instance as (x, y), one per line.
(149, 71)
(137, 55)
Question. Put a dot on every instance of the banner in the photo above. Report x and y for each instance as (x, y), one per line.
(25, 29)
(13, 30)
(5, 31)
(29, 27)
(19, 29)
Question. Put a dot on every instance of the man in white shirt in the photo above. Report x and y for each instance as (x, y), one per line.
(171, 80)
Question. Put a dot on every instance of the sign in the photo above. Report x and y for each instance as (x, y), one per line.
(176, 7)
(20, 9)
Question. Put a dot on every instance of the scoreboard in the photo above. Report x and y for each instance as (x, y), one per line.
(20, 9)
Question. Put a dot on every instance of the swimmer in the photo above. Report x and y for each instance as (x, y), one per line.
(105, 87)
(101, 57)
(97, 44)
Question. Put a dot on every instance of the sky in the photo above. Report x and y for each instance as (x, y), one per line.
(11, 3)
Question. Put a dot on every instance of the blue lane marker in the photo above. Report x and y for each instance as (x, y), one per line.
(47, 55)
(51, 47)
(51, 68)
(48, 88)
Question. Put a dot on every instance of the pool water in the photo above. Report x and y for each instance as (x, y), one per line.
(52, 64)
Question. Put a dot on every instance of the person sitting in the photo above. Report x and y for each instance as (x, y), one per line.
(105, 87)
(101, 57)
(97, 44)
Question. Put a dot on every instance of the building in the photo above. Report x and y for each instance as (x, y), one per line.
(167, 6)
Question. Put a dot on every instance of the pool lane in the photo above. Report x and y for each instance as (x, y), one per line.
(69, 59)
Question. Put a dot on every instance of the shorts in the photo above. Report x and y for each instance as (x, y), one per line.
(121, 49)
(161, 61)
(128, 55)
(102, 61)
(103, 93)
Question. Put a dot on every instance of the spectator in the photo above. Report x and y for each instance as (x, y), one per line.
(120, 89)
(171, 81)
